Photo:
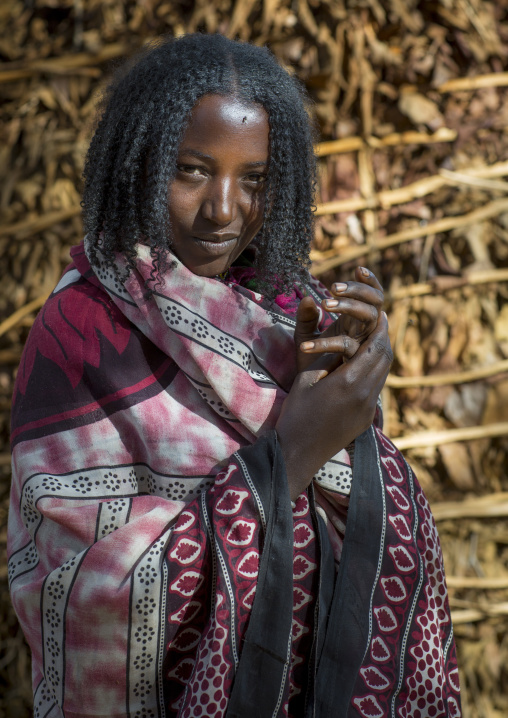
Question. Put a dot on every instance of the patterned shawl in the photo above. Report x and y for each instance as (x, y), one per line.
(157, 565)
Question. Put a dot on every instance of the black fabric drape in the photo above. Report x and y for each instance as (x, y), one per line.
(342, 647)
(264, 662)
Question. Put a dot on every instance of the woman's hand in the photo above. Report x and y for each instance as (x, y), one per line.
(358, 303)
(329, 406)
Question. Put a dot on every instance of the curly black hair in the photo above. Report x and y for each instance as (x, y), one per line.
(132, 155)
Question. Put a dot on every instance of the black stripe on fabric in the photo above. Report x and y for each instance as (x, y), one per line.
(347, 633)
(338, 463)
(218, 329)
(23, 573)
(108, 467)
(111, 293)
(23, 548)
(64, 630)
(128, 514)
(98, 523)
(125, 402)
(49, 710)
(60, 311)
(161, 634)
(132, 579)
(129, 640)
(233, 361)
(52, 333)
(41, 608)
(107, 309)
(264, 661)
(325, 593)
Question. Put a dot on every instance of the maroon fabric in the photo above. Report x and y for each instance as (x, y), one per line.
(144, 521)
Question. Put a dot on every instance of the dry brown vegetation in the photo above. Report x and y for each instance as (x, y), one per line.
(412, 102)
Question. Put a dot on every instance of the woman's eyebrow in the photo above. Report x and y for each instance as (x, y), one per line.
(203, 156)
(195, 153)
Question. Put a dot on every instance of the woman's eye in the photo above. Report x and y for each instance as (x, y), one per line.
(190, 169)
(256, 178)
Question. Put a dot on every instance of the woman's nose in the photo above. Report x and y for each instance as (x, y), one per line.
(219, 206)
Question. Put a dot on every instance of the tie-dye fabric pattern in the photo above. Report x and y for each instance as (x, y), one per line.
(151, 535)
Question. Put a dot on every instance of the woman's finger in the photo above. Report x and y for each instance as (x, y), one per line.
(307, 320)
(356, 309)
(341, 344)
(374, 358)
(368, 368)
(365, 276)
(354, 290)
(366, 289)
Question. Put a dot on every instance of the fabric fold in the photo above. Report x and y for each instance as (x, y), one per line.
(156, 564)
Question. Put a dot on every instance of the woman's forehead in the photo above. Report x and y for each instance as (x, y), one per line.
(216, 119)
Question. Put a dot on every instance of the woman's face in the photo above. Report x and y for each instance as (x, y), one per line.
(216, 199)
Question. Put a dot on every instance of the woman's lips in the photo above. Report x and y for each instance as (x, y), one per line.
(215, 246)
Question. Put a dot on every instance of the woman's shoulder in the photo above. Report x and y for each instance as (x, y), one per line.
(81, 357)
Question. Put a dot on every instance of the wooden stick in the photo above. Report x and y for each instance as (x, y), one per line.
(21, 230)
(63, 65)
(335, 147)
(445, 283)
(492, 79)
(418, 189)
(460, 377)
(443, 134)
(5, 458)
(482, 584)
(470, 615)
(483, 182)
(21, 313)
(448, 436)
(24, 74)
(492, 505)
(351, 144)
(491, 209)
(10, 356)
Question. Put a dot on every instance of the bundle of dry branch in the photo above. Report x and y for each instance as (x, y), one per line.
(412, 107)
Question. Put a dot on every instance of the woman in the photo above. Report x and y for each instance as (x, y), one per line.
(182, 475)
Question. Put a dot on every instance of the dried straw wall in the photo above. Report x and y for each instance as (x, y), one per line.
(413, 108)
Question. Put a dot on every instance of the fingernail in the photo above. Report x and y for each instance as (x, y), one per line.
(306, 345)
(339, 287)
(365, 271)
(330, 303)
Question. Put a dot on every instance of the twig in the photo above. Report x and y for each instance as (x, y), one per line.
(335, 147)
(481, 583)
(461, 377)
(351, 144)
(448, 436)
(5, 458)
(492, 505)
(21, 313)
(483, 182)
(418, 189)
(441, 225)
(445, 283)
(64, 65)
(21, 230)
(493, 79)
(470, 615)
(10, 356)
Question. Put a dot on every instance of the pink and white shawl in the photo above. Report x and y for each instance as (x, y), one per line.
(156, 564)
